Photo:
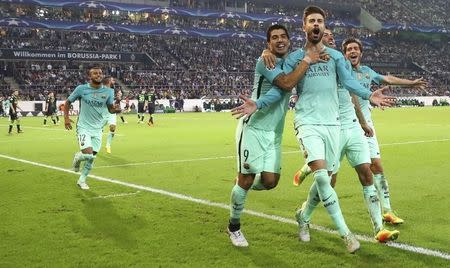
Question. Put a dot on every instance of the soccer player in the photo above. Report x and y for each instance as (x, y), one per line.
(258, 137)
(50, 108)
(317, 114)
(353, 49)
(142, 106)
(151, 103)
(94, 99)
(111, 119)
(13, 117)
(353, 145)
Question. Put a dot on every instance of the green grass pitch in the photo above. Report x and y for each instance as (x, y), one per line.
(46, 221)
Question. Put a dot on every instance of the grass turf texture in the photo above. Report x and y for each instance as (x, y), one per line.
(47, 221)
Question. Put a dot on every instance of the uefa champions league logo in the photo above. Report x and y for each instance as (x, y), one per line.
(92, 4)
(14, 22)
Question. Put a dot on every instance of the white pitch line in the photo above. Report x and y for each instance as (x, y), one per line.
(405, 247)
(114, 195)
(41, 128)
(231, 156)
(59, 129)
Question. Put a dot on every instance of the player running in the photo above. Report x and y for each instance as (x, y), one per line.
(94, 99)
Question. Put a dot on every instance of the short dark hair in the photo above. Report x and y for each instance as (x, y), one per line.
(349, 41)
(94, 67)
(276, 27)
(312, 10)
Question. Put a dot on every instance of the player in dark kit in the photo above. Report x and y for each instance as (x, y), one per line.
(50, 109)
(142, 106)
(13, 117)
(151, 103)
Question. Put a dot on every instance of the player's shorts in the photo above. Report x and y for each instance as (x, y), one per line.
(110, 119)
(353, 144)
(50, 112)
(258, 150)
(141, 108)
(373, 143)
(319, 142)
(88, 139)
(13, 116)
(151, 108)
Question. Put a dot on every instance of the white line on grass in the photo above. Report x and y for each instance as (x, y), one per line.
(114, 195)
(231, 156)
(405, 247)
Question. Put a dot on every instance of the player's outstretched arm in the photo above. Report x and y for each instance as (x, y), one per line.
(393, 80)
(377, 98)
(249, 106)
(380, 100)
(246, 109)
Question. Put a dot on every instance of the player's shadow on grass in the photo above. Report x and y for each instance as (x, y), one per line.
(105, 223)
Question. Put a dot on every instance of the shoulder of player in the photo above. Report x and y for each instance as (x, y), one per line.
(335, 54)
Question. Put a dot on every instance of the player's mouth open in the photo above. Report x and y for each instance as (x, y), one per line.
(281, 46)
(316, 32)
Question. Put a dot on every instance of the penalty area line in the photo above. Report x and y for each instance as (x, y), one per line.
(405, 247)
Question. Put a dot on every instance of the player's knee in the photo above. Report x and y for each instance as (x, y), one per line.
(321, 177)
(365, 174)
(245, 181)
(270, 180)
(112, 128)
(376, 166)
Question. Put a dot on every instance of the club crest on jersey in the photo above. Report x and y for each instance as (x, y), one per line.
(367, 76)
(103, 96)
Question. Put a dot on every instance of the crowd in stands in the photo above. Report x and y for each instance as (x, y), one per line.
(192, 67)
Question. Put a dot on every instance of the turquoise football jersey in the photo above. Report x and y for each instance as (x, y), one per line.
(365, 76)
(93, 103)
(272, 117)
(318, 97)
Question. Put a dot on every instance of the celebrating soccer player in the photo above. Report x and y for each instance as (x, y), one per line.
(317, 115)
(13, 116)
(94, 99)
(353, 145)
(352, 49)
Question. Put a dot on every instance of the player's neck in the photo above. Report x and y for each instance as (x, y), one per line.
(357, 66)
(309, 45)
(95, 85)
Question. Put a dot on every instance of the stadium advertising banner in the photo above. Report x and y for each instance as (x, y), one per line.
(30, 54)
